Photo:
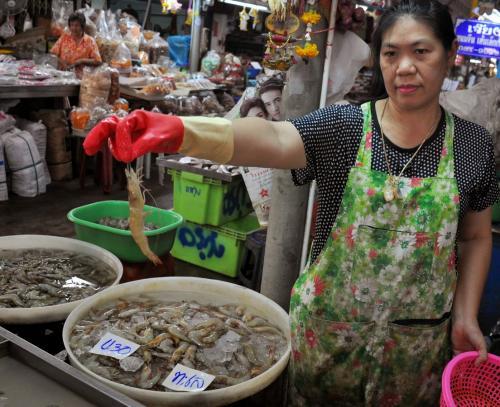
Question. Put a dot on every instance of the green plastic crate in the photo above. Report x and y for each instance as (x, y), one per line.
(120, 242)
(217, 248)
(208, 201)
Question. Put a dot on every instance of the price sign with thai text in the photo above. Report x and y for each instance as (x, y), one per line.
(114, 346)
(183, 378)
(479, 39)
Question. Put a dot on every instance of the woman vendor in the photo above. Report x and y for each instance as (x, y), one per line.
(76, 49)
(402, 184)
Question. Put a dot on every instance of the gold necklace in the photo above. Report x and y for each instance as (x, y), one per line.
(391, 187)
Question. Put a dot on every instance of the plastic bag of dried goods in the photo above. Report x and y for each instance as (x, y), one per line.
(122, 59)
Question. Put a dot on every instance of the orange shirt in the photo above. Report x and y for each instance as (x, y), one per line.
(67, 49)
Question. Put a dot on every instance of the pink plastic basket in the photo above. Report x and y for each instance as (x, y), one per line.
(467, 385)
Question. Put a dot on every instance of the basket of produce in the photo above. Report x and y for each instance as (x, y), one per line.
(106, 224)
(466, 384)
(141, 336)
(43, 278)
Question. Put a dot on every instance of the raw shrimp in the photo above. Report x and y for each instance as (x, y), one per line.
(136, 217)
(198, 336)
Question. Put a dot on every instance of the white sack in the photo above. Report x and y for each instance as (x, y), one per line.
(24, 163)
(7, 122)
(39, 133)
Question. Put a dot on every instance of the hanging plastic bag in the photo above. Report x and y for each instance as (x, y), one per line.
(102, 25)
(7, 29)
(111, 20)
(90, 27)
(61, 10)
(210, 63)
(354, 54)
(122, 60)
(28, 23)
(178, 46)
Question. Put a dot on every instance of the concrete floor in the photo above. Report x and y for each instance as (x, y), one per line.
(46, 213)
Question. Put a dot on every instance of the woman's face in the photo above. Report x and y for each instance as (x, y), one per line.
(414, 63)
(256, 112)
(75, 28)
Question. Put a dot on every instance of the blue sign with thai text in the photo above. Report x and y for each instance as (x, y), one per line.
(479, 39)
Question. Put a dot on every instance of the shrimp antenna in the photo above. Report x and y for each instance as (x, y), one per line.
(148, 192)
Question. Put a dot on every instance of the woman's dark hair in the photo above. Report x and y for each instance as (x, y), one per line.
(271, 84)
(429, 12)
(77, 17)
(250, 103)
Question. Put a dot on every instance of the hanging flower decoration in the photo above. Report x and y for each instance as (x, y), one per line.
(309, 50)
(278, 53)
(170, 6)
(254, 13)
(281, 23)
(189, 17)
(310, 17)
(244, 17)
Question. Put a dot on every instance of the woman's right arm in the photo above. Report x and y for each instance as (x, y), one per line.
(262, 143)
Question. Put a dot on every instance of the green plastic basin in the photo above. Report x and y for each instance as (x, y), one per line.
(120, 242)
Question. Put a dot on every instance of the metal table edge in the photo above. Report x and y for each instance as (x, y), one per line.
(51, 366)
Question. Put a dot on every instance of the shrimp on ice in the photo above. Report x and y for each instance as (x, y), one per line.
(136, 217)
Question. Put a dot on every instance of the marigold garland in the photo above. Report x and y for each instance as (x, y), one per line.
(310, 17)
(309, 50)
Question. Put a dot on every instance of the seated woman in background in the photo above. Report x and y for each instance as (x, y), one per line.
(76, 49)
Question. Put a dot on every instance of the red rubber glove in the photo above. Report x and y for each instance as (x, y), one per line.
(139, 133)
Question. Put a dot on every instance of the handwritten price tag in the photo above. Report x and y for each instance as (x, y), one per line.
(183, 378)
(114, 346)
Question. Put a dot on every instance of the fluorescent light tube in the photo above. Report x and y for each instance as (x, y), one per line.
(243, 4)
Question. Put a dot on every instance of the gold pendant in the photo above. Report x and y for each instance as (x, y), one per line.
(388, 193)
(390, 190)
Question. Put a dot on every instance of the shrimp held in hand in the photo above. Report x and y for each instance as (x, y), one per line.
(136, 217)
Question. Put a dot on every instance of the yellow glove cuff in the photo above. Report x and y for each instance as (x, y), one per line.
(208, 138)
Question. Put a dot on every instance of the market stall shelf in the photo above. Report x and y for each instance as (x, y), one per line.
(50, 380)
(137, 94)
(42, 91)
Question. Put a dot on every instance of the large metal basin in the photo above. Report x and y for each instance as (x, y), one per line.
(36, 315)
(204, 291)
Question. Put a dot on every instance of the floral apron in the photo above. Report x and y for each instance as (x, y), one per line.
(370, 318)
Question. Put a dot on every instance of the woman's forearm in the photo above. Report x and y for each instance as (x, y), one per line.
(473, 269)
(262, 143)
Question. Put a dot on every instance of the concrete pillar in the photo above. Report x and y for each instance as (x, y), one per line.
(289, 203)
(196, 26)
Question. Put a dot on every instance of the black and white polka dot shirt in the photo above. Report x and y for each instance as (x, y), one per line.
(331, 139)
